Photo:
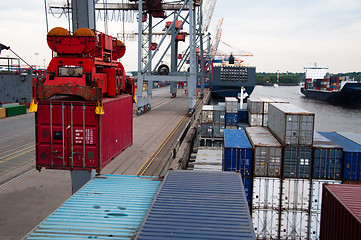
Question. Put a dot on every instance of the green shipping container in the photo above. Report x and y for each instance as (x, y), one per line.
(15, 110)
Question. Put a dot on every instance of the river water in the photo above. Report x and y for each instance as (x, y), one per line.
(328, 117)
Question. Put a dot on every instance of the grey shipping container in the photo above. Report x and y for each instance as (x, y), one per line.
(265, 120)
(341, 212)
(267, 152)
(218, 130)
(219, 114)
(231, 105)
(327, 158)
(199, 205)
(297, 162)
(207, 130)
(290, 124)
(255, 119)
(254, 105)
(207, 114)
(266, 102)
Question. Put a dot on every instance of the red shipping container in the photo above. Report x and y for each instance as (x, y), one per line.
(341, 212)
(66, 129)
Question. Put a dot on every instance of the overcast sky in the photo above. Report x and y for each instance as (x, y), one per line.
(282, 35)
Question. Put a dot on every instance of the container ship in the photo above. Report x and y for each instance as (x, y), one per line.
(230, 77)
(320, 85)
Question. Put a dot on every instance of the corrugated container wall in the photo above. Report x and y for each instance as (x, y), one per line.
(267, 152)
(207, 130)
(266, 102)
(341, 214)
(231, 119)
(255, 119)
(327, 158)
(352, 156)
(242, 116)
(70, 136)
(297, 162)
(207, 114)
(231, 105)
(199, 205)
(15, 110)
(294, 225)
(254, 105)
(2, 113)
(237, 152)
(219, 114)
(290, 124)
(218, 130)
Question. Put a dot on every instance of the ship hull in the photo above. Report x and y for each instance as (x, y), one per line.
(349, 94)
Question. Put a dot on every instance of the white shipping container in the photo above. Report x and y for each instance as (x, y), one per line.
(207, 114)
(231, 105)
(254, 105)
(295, 194)
(255, 119)
(294, 225)
(266, 193)
(316, 200)
(291, 125)
(266, 223)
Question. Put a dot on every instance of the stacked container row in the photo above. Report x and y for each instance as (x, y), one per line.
(213, 121)
(231, 112)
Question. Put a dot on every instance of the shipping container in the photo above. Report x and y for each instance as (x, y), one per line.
(70, 136)
(242, 116)
(295, 194)
(248, 184)
(265, 120)
(219, 114)
(255, 119)
(237, 152)
(242, 126)
(2, 113)
(189, 206)
(266, 193)
(109, 206)
(297, 162)
(279, 100)
(355, 137)
(218, 130)
(209, 156)
(267, 152)
(327, 158)
(231, 127)
(341, 212)
(290, 124)
(207, 130)
(207, 114)
(231, 119)
(266, 223)
(294, 224)
(316, 200)
(231, 105)
(352, 156)
(266, 102)
(254, 105)
(15, 110)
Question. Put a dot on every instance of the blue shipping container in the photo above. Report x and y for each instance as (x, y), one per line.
(231, 119)
(327, 158)
(107, 207)
(352, 156)
(237, 152)
(199, 205)
(297, 162)
(242, 116)
(248, 184)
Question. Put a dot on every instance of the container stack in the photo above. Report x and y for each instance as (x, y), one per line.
(207, 121)
(266, 182)
(255, 112)
(237, 156)
(207, 159)
(11, 110)
(213, 121)
(231, 112)
(294, 128)
(219, 120)
(265, 102)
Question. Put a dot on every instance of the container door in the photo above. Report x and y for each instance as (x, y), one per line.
(83, 136)
(51, 135)
(294, 225)
(266, 223)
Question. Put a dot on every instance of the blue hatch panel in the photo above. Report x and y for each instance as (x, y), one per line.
(107, 207)
(199, 205)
